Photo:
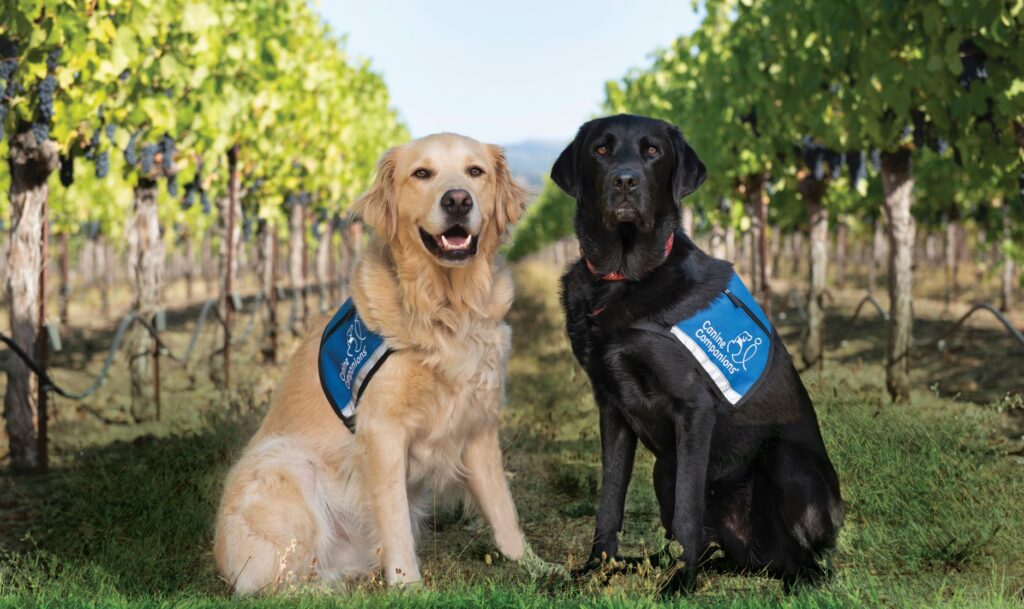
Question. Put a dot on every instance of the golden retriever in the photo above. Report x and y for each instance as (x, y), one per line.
(311, 501)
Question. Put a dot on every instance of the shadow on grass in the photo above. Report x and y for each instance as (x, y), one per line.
(135, 517)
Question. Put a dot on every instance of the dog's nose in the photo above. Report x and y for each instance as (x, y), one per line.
(457, 202)
(625, 181)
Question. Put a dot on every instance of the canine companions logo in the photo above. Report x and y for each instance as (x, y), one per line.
(736, 351)
(730, 339)
(356, 338)
(355, 341)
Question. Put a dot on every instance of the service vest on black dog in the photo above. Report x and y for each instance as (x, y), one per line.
(731, 339)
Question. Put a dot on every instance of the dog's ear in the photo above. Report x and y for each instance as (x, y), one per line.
(689, 172)
(566, 170)
(509, 197)
(377, 206)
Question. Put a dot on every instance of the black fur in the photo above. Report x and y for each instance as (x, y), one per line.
(757, 481)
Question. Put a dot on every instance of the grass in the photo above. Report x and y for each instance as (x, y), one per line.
(934, 500)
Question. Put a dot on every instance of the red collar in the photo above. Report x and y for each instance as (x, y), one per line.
(619, 276)
(616, 276)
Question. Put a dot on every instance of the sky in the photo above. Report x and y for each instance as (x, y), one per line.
(504, 72)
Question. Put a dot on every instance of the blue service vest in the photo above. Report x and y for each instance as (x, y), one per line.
(349, 356)
(731, 339)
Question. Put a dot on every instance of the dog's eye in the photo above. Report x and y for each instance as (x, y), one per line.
(652, 150)
(422, 173)
(601, 150)
(475, 171)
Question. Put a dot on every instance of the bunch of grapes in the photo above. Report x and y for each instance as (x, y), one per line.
(8, 64)
(131, 156)
(190, 196)
(835, 163)
(247, 229)
(3, 117)
(103, 164)
(172, 185)
(41, 131)
(44, 117)
(67, 170)
(193, 187)
(8, 87)
(148, 156)
(973, 60)
(858, 167)
(751, 119)
(52, 58)
(167, 150)
(94, 145)
(46, 90)
(8, 48)
(816, 156)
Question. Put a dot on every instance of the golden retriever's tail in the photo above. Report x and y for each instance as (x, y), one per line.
(271, 525)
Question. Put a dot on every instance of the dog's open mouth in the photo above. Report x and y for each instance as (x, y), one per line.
(454, 245)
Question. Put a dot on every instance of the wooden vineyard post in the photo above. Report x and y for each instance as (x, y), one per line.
(813, 192)
(898, 185)
(156, 378)
(232, 202)
(146, 253)
(31, 162)
(65, 286)
(42, 346)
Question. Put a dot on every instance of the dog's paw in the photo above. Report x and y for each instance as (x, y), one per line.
(405, 580)
(680, 581)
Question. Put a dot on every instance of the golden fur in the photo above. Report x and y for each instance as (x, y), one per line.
(310, 500)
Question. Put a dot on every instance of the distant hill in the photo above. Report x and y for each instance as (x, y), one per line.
(531, 160)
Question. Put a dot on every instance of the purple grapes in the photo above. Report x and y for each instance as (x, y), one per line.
(131, 156)
(148, 156)
(67, 170)
(167, 150)
(46, 90)
(103, 164)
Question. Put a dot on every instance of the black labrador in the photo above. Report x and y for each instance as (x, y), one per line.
(755, 479)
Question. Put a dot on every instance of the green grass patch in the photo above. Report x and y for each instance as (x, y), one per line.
(933, 507)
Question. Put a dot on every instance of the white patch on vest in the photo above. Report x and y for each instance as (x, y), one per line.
(716, 346)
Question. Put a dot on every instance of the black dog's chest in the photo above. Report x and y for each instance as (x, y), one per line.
(620, 369)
